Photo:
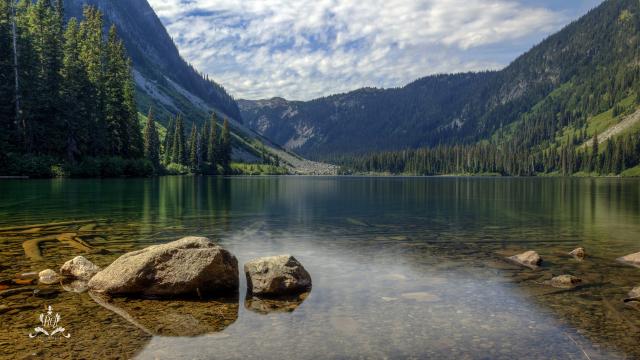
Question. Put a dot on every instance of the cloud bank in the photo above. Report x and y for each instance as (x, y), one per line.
(306, 49)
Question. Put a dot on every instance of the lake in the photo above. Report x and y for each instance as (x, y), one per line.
(401, 267)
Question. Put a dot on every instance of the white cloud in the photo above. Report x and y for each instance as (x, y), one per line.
(306, 49)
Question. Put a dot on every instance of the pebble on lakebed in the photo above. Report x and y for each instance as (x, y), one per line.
(529, 259)
(634, 295)
(79, 268)
(578, 253)
(632, 259)
(48, 277)
(564, 281)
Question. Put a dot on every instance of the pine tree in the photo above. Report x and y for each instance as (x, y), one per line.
(225, 146)
(44, 28)
(7, 85)
(151, 142)
(204, 140)
(213, 145)
(168, 142)
(194, 149)
(75, 86)
(133, 131)
(92, 51)
(595, 154)
(179, 153)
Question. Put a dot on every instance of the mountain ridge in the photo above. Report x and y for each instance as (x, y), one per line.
(467, 107)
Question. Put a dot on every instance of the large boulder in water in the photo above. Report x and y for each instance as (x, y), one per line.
(276, 276)
(529, 259)
(189, 266)
(79, 268)
(632, 259)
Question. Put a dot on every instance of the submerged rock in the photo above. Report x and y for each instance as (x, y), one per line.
(189, 266)
(276, 276)
(578, 253)
(79, 268)
(529, 259)
(565, 281)
(634, 295)
(632, 259)
(48, 277)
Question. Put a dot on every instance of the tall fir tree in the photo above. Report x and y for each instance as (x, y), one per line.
(194, 149)
(179, 153)
(152, 142)
(168, 142)
(7, 81)
(75, 86)
(213, 145)
(225, 146)
(204, 140)
(92, 50)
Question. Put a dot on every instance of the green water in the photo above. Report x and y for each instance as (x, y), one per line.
(401, 267)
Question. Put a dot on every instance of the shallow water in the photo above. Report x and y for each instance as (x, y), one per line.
(401, 267)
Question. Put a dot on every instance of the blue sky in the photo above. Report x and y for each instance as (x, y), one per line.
(302, 50)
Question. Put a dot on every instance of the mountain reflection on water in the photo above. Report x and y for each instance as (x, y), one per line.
(401, 267)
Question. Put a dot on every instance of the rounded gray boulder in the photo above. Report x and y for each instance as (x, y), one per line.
(189, 266)
(276, 276)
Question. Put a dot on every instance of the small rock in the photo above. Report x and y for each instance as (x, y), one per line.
(48, 277)
(529, 259)
(276, 276)
(46, 293)
(565, 281)
(632, 259)
(79, 268)
(421, 296)
(634, 295)
(578, 253)
(189, 266)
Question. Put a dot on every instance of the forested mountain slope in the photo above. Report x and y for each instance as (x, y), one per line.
(163, 78)
(588, 68)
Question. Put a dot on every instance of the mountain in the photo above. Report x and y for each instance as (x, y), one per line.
(166, 82)
(163, 78)
(557, 88)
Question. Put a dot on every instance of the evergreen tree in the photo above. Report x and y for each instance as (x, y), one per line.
(225, 146)
(204, 140)
(194, 149)
(168, 142)
(75, 86)
(134, 133)
(179, 154)
(213, 145)
(152, 142)
(7, 84)
(92, 50)
(595, 154)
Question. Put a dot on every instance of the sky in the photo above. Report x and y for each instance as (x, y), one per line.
(302, 50)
